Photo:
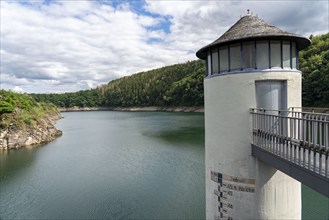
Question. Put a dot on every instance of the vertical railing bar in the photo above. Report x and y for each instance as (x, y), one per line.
(326, 132)
(299, 124)
(320, 130)
(292, 137)
(270, 132)
(253, 125)
(266, 132)
(262, 129)
(315, 128)
(280, 135)
(297, 138)
(326, 163)
(309, 141)
(319, 145)
(276, 134)
(320, 162)
(304, 139)
(257, 123)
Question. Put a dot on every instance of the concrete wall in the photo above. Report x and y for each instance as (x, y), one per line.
(250, 189)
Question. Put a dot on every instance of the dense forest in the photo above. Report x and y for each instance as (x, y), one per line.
(314, 63)
(182, 84)
(176, 85)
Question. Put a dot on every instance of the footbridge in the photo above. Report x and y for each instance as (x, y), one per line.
(295, 142)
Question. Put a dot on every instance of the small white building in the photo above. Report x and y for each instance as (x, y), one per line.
(252, 65)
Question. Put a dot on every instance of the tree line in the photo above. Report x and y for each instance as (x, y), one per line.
(175, 85)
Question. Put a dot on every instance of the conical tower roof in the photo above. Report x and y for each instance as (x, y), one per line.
(251, 27)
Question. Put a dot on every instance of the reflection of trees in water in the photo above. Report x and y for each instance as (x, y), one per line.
(13, 162)
(190, 135)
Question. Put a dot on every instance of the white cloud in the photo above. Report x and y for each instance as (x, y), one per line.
(68, 46)
(18, 89)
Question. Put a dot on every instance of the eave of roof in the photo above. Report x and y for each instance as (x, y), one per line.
(251, 27)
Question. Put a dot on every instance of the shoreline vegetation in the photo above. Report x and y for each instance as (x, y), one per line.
(136, 109)
(25, 122)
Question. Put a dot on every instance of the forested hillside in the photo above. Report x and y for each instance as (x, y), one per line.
(182, 84)
(176, 85)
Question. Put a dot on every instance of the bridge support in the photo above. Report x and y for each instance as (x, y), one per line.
(311, 179)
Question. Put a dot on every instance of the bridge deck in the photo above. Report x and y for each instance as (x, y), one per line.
(296, 143)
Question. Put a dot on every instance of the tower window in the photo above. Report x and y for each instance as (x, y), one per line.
(235, 56)
(262, 58)
(293, 55)
(248, 55)
(275, 48)
(286, 54)
(223, 58)
(260, 54)
(214, 61)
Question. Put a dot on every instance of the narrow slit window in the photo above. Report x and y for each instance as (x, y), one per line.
(223, 58)
(286, 54)
(209, 64)
(235, 57)
(275, 53)
(293, 55)
(262, 58)
(214, 61)
(248, 55)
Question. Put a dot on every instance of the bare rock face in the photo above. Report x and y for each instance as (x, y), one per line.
(44, 131)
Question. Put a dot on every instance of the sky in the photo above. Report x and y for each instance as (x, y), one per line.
(70, 45)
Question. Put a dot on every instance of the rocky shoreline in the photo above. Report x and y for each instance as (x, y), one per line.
(136, 109)
(44, 131)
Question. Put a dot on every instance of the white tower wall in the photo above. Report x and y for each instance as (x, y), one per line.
(250, 189)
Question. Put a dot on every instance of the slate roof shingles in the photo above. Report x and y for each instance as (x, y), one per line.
(252, 27)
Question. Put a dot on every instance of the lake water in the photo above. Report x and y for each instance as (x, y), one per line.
(116, 165)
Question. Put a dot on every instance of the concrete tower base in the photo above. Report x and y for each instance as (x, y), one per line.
(238, 186)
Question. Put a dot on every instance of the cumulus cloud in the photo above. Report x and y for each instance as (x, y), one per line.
(61, 46)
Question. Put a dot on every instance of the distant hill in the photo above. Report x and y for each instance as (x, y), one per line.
(182, 84)
(176, 85)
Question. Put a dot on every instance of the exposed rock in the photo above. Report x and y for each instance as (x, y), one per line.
(43, 131)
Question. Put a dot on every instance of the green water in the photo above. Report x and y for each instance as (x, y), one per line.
(116, 165)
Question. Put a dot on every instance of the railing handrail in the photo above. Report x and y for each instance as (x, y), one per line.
(312, 108)
(259, 110)
(299, 137)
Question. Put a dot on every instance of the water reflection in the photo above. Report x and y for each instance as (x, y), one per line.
(181, 135)
(13, 162)
(105, 167)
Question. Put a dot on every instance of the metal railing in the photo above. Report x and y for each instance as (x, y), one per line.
(302, 138)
